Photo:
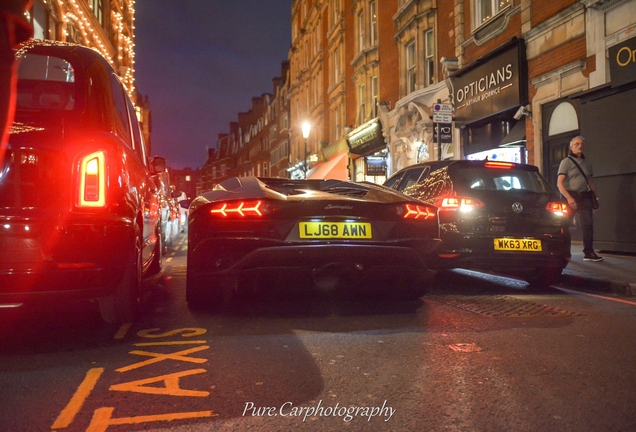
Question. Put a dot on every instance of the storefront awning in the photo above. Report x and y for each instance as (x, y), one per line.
(335, 168)
(516, 137)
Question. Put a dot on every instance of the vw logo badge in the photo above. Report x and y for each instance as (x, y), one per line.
(517, 207)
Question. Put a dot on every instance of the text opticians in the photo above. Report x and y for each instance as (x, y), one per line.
(488, 82)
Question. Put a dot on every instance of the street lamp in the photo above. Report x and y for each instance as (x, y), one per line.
(306, 129)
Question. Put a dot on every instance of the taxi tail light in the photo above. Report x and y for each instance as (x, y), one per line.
(240, 209)
(419, 212)
(457, 203)
(92, 181)
(558, 208)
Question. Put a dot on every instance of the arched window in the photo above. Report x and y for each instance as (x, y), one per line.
(564, 119)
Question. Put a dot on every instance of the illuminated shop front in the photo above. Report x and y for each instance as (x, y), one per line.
(368, 152)
(331, 162)
(491, 104)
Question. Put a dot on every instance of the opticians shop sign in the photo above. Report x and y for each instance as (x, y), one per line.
(491, 85)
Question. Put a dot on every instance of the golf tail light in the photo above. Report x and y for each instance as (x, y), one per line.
(415, 211)
(92, 173)
(238, 209)
(463, 204)
(558, 208)
(499, 165)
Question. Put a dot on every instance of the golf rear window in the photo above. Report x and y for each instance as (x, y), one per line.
(492, 179)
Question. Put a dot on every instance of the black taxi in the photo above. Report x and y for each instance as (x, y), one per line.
(79, 210)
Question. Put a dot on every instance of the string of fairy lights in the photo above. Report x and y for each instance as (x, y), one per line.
(79, 14)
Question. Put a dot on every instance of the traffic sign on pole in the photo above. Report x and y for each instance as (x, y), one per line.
(442, 108)
(439, 117)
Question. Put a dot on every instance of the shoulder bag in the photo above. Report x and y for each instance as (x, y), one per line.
(591, 193)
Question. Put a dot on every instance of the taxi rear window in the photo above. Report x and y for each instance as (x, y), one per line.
(45, 83)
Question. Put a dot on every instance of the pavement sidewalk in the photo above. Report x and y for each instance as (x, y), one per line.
(616, 273)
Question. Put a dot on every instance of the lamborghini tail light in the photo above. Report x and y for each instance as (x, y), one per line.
(415, 211)
(558, 208)
(238, 209)
(463, 204)
(92, 182)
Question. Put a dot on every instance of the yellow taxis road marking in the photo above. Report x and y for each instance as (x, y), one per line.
(168, 259)
(123, 330)
(75, 404)
(170, 343)
(179, 355)
(103, 417)
(185, 332)
(171, 385)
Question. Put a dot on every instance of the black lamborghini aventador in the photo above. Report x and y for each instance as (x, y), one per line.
(265, 232)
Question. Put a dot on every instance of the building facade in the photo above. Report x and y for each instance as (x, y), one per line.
(278, 123)
(375, 81)
(422, 30)
(107, 26)
(258, 143)
(385, 84)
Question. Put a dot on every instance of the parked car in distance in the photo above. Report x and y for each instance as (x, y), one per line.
(174, 218)
(166, 207)
(79, 211)
(328, 234)
(495, 216)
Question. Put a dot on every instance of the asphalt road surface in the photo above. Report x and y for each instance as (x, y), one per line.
(477, 353)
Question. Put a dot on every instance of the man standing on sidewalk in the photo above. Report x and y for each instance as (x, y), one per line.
(573, 182)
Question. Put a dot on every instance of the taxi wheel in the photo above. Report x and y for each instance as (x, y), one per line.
(123, 304)
(155, 265)
(164, 244)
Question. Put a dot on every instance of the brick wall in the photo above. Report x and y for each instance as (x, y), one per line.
(326, 71)
(350, 49)
(545, 9)
(445, 33)
(562, 55)
(473, 52)
(389, 58)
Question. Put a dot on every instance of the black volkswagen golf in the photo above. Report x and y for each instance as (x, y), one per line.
(79, 211)
(498, 216)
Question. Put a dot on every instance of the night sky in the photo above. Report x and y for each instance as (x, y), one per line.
(200, 62)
